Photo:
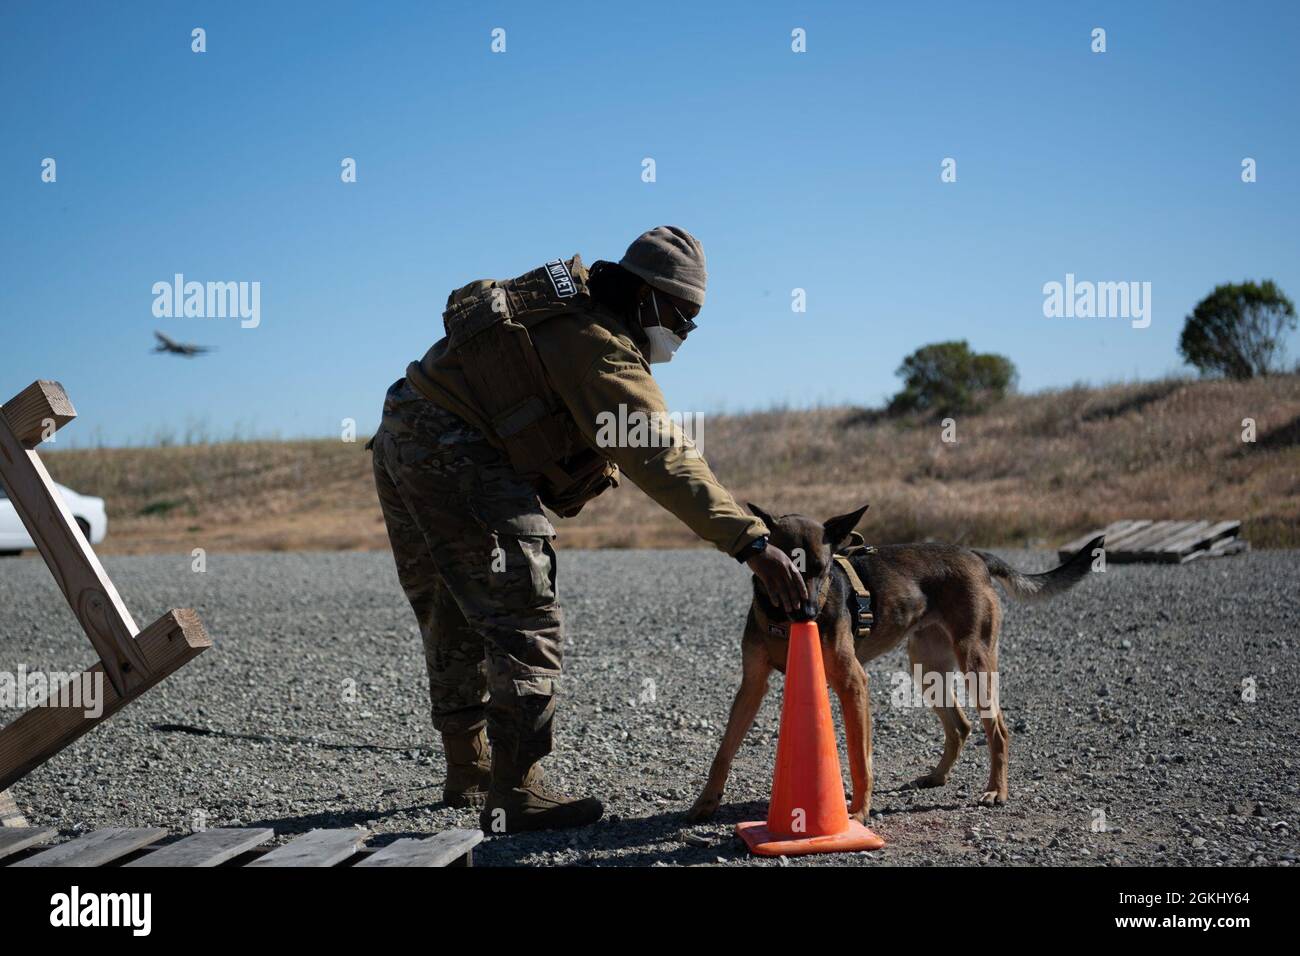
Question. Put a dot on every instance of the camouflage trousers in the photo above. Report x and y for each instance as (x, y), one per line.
(474, 556)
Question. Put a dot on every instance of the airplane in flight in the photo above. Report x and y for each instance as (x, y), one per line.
(173, 347)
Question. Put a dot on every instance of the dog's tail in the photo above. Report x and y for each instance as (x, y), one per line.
(1049, 583)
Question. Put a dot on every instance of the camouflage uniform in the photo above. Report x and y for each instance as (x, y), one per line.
(506, 411)
(474, 556)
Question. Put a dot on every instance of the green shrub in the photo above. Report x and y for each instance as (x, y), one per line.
(947, 377)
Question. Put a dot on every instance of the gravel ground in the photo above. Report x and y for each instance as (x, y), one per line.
(1124, 697)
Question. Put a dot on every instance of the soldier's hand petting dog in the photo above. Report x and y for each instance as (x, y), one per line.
(781, 579)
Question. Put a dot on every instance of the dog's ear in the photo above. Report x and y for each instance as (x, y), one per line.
(758, 512)
(839, 528)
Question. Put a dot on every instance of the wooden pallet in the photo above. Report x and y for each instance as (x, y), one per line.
(1165, 542)
(134, 847)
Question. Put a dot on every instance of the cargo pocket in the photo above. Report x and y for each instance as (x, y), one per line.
(542, 564)
(530, 558)
(523, 558)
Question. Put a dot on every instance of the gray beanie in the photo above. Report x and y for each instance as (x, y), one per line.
(671, 260)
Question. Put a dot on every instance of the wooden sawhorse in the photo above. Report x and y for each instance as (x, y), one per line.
(131, 660)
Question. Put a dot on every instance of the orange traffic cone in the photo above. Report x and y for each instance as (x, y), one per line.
(807, 813)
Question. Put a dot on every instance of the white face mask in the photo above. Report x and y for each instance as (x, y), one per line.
(663, 342)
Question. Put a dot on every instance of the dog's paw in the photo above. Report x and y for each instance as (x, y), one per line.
(704, 808)
(991, 798)
(860, 816)
(931, 779)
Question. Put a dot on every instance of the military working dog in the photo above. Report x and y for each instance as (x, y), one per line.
(939, 598)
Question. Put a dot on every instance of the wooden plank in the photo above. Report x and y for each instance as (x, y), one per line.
(438, 850)
(1131, 531)
(1222, 529)
(1228, 546)
(10, 815)
(1191, 532)
(1154, 533)
(207, 848)
(38, 411)
(1144, 546)
(1220, 548)
(40, 732)
(91, 595)
(1070, 548)
(96, 849)
(1177, 550)
(1119, 529)
(317, 848)
(1155, 537)
(16, 839)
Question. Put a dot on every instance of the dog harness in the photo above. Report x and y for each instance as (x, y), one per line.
(859, 599)
(859, 602)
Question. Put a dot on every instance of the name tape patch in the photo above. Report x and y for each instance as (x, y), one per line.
(561, 279)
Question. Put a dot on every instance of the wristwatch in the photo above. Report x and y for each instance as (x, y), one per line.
(757, 546)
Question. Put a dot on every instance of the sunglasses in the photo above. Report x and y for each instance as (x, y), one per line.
(685, 324)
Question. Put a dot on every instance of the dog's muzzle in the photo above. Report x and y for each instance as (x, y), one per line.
(807, 612)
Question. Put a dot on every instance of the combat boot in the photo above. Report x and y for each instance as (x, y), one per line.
(519, 801)
(469, 769)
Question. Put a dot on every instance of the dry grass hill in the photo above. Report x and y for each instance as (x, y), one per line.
(1033, 469)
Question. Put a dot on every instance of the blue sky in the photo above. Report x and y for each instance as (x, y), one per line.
(818, 171)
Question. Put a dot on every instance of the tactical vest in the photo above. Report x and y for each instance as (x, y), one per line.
(489, 332)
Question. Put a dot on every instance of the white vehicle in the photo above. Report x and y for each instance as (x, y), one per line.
(89, 512)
